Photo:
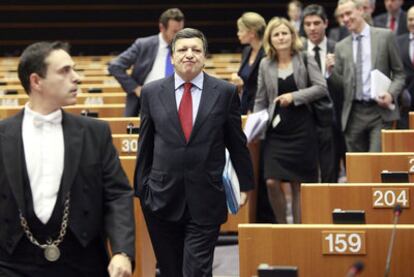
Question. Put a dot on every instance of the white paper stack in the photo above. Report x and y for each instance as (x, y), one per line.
(379, 84)
(255, 124)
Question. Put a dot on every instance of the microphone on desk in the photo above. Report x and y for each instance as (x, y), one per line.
(355, 269)
(397, 214)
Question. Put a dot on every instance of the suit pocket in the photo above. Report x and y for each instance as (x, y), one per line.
(156, 176)
(156, 180)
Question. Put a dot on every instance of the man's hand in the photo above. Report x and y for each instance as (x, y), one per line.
(243, 198)
(138, 91)
(330, 62)
(385, 100)
(284, 99)
(120, 266)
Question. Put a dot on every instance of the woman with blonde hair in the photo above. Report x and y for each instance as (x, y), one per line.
(288, 82)
(251, 27)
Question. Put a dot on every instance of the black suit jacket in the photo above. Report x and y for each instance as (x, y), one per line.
(334, 90)
(101, 198)
(172, 174)
(141, 55)
(381, 21)
(404, 45)
(250, 86)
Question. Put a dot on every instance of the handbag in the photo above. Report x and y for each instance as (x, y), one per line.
(322, 108)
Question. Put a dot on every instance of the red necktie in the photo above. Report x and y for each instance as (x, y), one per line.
(392, 23)
(185, 111)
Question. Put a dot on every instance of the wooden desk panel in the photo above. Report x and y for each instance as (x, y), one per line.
(82, 99)
(105, 110)
(301, 245)
(119, 125)
(397, 140)
(319, 200)
(84, 88)
(367, 167)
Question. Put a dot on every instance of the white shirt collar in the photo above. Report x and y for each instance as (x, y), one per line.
(365, 32)
(411, 36)
(163, 43)
(322, 45)
(197, 81)
(53, 117)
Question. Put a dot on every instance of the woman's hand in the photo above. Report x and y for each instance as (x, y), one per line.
(284, 100)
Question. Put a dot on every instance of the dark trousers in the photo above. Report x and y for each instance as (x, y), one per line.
(329, 167)
(182, 248)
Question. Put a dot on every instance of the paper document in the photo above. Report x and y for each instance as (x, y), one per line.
(255, 124)
(380, 83)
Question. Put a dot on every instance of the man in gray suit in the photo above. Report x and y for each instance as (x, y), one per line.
(395, 18)
(366, 49)
(150, 58)
(330, 138)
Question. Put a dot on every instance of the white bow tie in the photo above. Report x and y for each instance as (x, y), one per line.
(53, 118)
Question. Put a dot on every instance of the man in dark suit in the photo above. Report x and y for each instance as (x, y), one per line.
(394, 19)
(63, 191)
(331, 148)
(406, 45)
(150, 58)
(187, 121)
(364, 113)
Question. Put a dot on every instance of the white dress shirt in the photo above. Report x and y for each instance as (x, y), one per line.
(196, 90)
(366, 59)
(158, 68)
(323, 51)
(44, 155)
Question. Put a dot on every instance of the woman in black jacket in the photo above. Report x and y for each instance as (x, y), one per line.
(251, 27)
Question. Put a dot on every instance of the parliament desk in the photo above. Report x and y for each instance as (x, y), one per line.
(411, 120)
(377, 200)
(86, 77)
(82, 98)
(119, 125)
(325, 250)
(84, 88)
(367, 167)
(104, 110)
(397, 140)
(145, 259)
